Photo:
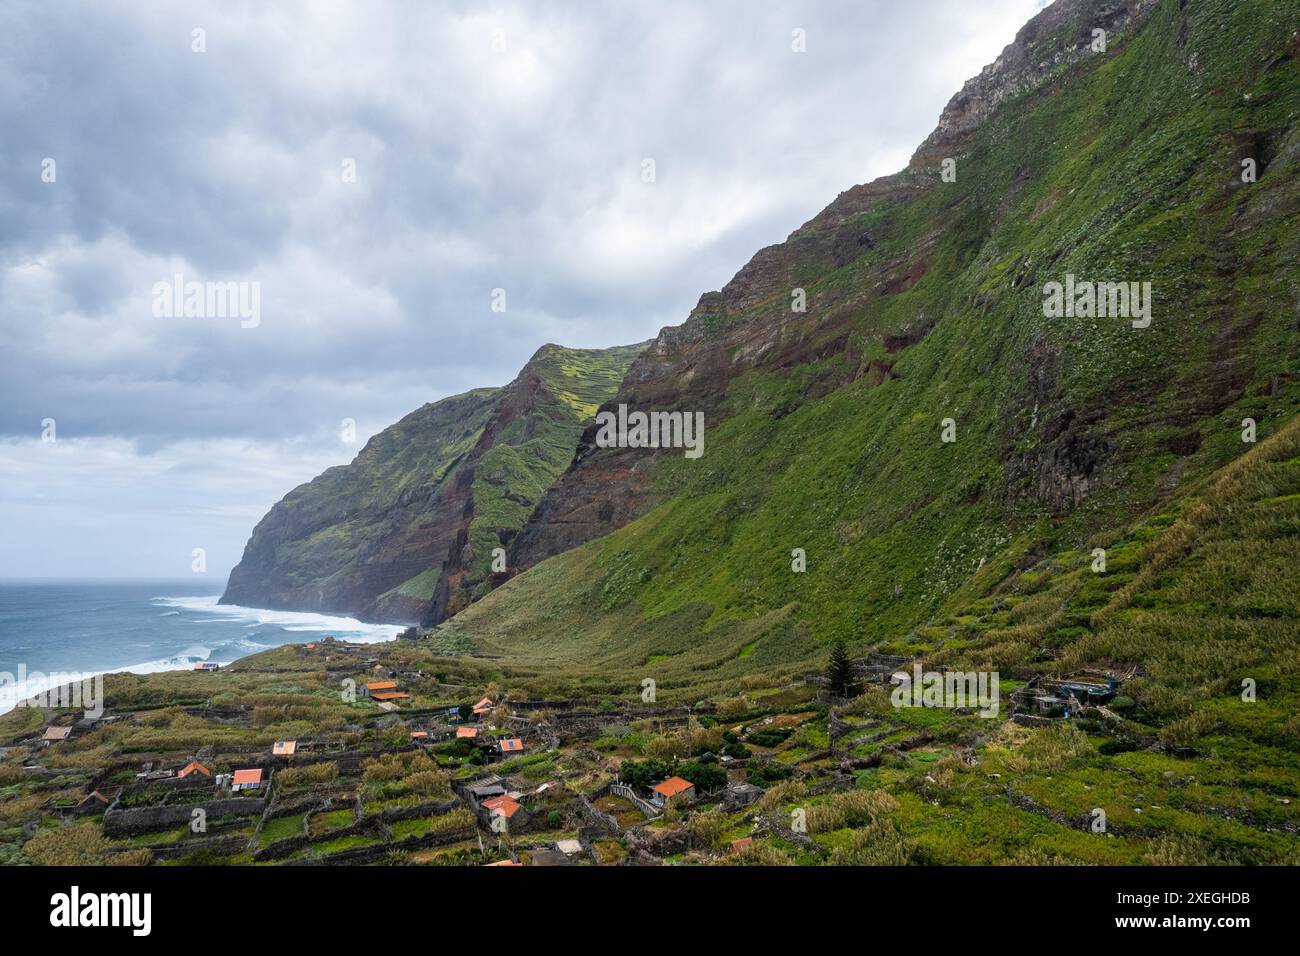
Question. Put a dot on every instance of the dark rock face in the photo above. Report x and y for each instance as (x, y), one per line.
(405, 532)
(342, 541)
(1059, 35)
(750, 322)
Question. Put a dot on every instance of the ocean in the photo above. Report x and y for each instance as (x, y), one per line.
(97, 627)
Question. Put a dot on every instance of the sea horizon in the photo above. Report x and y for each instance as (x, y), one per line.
(54, 627)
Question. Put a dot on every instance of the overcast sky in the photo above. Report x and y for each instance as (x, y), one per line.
(495, 146)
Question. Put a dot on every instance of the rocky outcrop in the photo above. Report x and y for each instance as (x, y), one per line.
(405, 532)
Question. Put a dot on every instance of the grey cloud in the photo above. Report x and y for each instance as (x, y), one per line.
(476, 170)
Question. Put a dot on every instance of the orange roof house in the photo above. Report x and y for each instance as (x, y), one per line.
(741, 845)
(505, 805)
(466, 731)
(671, 789)
(193, 767)
(512, 745)
(246, 779)
(483, 706)
(380, 686)
(285, 748)
(419, 735)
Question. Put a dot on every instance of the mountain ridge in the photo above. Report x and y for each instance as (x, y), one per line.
(405, 532)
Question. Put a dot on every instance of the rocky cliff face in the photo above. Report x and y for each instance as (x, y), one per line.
(405, 532)
(924, 305)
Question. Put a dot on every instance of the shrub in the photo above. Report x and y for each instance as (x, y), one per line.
(292, 778)
(706, 829)
(850, 808)
(878, 844)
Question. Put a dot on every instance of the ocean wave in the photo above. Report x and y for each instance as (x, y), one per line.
(13, 693)
(297, 622)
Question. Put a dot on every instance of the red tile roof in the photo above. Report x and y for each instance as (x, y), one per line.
(248, 776)
(194, 767)
(672, 786)
(390, 695)
(382, 685)
(285, 748)
(739, 846)
(466, 731)
(511, 744)
(505, 805)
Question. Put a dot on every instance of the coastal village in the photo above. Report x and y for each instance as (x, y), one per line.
(332, 753)
(420, 772)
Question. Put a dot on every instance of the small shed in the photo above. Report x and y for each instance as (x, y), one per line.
(672, 790)
(246, 780)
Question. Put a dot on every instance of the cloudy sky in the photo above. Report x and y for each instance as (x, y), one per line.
(495, 146)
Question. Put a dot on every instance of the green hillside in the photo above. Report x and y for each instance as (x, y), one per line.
(1122, 166)
(405, 532)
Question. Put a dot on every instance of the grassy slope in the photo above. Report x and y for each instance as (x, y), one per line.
(325, 536)
(530, 453)
(1117, 169)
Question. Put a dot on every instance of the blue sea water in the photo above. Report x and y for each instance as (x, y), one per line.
(95, 627)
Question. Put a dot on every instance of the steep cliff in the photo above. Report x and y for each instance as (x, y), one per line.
(923, 417)
(405, 532)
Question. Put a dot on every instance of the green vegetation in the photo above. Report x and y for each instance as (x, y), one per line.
(476, 462)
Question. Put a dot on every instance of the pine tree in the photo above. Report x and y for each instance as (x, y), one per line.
(839, 672)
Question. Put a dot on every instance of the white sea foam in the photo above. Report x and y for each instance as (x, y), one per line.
(295, 621)
(346, 628)
(11, 694)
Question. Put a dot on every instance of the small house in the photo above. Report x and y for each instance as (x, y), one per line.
(672, 790)
(740, 794)
(207, 666)
(470, 732)
(506, 806)
(487, 788)
(94, 802)
(193, 767)
(54, 734)
(284, 748)
(569, 847)
(379, 686)
(246, 780)
(511, 745)
(483, 706)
